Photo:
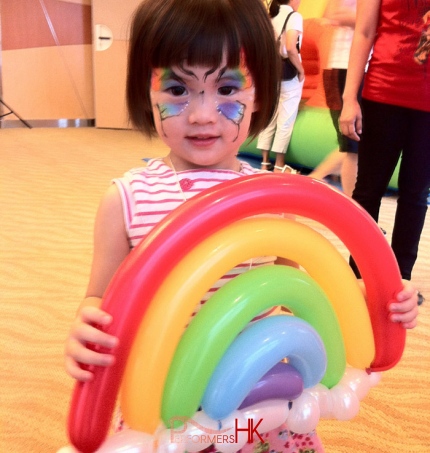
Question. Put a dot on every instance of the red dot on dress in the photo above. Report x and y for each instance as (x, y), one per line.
(186, 184)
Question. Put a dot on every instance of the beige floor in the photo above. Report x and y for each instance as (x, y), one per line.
(51, 182)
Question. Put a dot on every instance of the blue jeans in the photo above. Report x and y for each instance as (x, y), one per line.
(389, 131)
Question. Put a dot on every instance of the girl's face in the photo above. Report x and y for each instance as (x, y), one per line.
(203, 115)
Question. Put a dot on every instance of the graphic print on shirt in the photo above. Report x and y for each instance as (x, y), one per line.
(423, 50)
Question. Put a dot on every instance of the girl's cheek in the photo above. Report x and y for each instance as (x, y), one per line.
(233, 111)
(167, 110)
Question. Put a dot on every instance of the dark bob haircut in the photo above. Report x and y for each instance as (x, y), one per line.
(167, 33)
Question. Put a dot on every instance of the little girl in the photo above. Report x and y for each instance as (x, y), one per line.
(203, 75)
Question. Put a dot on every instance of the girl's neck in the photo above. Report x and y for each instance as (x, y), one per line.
(179, 165)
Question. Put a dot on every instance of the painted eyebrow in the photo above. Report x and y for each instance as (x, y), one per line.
(171, 74)
(221, 73)
(224, 71)
(192, 74)
(232, 74)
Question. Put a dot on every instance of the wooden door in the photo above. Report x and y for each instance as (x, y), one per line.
(111, 19)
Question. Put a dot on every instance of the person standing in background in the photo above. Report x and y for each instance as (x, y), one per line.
(394, 118)
(276, 137)
(341, 15)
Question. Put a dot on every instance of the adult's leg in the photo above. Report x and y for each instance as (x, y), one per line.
(332, 164)
(414, 184)
(333, 95)
(348, 172)
(265, 160)
(291, 93)
(345, 158)
(381, 142)
(265, 139)
(349, 147)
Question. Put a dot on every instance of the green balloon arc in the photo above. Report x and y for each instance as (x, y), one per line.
(228, 312)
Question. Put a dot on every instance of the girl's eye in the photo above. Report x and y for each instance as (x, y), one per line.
(227, 90)
(177, 90)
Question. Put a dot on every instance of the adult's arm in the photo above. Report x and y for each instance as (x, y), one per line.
(365, 31)
(291, 37)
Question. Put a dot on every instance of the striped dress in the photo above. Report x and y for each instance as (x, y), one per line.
(150, 193)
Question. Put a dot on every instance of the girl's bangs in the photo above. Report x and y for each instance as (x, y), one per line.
(198, 47)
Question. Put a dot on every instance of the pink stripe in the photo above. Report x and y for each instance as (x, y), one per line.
(152, 213)
(126, 201)
(155, 202)
(156, 192)
(159, 177)
(144, 225)
(265, 314)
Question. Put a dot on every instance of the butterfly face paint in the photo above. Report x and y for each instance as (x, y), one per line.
(168, 110)
(164, 80)
(241, 80)
(233, 111)
(202, 111)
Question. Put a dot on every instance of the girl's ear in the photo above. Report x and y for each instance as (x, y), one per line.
(256, 106)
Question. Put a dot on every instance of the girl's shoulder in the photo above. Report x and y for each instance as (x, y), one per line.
(153, 167)
(248, 169)
(155, 172)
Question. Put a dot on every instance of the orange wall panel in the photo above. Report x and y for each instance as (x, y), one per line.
(46, 59)
(49, 82)
(109, 83)
(30, 23)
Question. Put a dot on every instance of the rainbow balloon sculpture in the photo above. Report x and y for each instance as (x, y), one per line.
(221, 369)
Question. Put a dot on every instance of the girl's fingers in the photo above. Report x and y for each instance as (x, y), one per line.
(76, 372)
(94, 315)
(84, 355)
(85, 333)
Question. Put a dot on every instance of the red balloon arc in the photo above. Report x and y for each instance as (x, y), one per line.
(141, 274)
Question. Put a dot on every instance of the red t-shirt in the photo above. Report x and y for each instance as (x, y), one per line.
(399, 70)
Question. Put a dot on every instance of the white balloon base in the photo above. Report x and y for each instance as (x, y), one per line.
(342, 402)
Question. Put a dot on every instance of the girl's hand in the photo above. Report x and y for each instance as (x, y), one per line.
(405, 310)
(83, 332)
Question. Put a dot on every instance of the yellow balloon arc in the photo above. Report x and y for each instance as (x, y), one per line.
(169, 312)
(132, 289)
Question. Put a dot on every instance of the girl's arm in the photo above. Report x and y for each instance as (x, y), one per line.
(365, 30)
(110, 249)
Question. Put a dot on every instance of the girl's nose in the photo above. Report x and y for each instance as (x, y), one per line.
(203, 109)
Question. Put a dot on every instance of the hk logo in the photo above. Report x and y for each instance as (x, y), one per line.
(251, 429)
(195, 432)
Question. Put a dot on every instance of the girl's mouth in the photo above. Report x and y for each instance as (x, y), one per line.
(202, 140)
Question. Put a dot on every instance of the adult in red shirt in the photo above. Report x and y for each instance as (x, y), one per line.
(395, 115)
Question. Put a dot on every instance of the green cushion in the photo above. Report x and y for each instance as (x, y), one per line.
(314, 137)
